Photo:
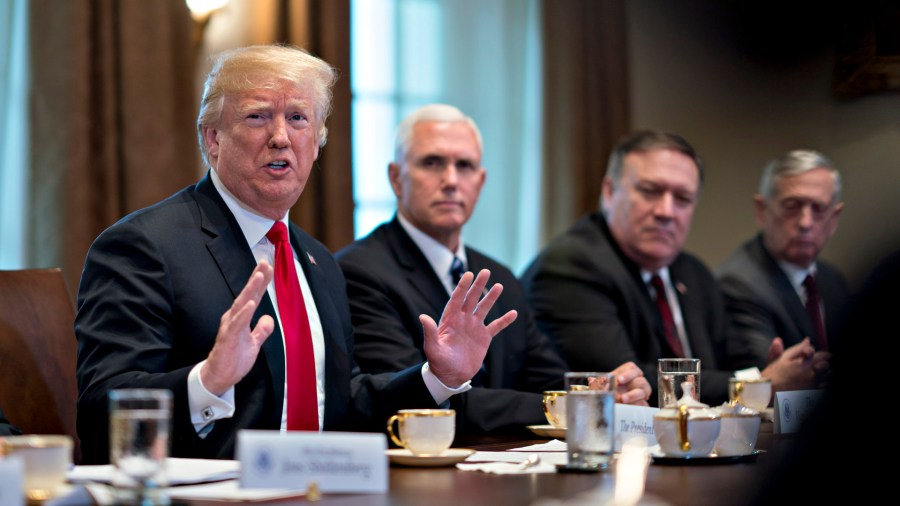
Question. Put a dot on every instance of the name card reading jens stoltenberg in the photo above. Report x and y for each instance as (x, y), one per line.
(335, 461)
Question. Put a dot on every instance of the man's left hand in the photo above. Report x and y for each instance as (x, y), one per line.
(456, 347)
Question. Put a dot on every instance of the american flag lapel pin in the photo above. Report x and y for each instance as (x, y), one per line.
(312, 259)
(681, 288)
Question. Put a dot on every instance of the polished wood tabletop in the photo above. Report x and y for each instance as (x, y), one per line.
(730, 483)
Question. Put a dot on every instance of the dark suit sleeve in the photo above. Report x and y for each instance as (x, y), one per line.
(585, 313)
(357, 399)
(6, 428)
(753, 326)
(125, 338)
(389, 337)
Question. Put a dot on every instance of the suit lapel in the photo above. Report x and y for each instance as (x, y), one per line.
(419, 274)
(787, 296)
(236, 262)
(692, 312)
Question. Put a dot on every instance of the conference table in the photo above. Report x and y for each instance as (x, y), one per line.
(729, 483)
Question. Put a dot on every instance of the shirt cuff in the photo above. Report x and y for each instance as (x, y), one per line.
(439, 391)
(205, 406)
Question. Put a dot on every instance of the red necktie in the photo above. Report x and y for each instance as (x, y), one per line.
(302, 401)
(814, 310)
(666, 313)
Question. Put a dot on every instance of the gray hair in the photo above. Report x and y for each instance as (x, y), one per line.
(439, 113)
(252, 67)
(794, 163)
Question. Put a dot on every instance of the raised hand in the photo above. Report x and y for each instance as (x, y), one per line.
(631, 385)
(237, 345)
(456, 347)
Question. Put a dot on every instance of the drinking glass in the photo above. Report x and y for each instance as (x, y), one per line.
(139, 444)
(590, 400)
(672, 373)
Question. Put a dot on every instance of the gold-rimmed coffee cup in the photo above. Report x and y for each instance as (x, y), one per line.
(555, 408)
(46, 460)
(423, 431)
(753, 393)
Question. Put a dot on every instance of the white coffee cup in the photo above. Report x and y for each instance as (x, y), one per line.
(423, 431)
(755, 394)
(686, 432)
(46, 459)
(555, 408)
(739, 430)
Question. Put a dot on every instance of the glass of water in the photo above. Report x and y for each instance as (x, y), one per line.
(590, 401)
(139, 444)
(672, 373)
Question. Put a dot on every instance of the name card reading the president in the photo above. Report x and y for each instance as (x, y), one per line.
(792, 407)
(634, 421)
(334, 461)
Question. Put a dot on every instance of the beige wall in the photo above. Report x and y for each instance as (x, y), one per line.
(711, 76)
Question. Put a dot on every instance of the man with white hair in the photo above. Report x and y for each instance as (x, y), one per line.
(408, 267)
(775, 285)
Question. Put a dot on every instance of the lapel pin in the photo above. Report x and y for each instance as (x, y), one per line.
(681, 288)
(312, 259)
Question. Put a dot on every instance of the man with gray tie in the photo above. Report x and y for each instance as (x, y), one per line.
(775, 285)
(407, 268)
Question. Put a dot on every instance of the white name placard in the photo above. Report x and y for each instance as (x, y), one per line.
(334, 461)
(792, 408)
(12, 478)
(634, 421)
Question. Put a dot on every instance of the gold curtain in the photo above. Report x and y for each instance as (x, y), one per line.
(112, 114)
(325, 210)
(585, 103)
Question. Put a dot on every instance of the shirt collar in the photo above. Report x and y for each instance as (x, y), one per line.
(439, 256)
(663, 275)
(796, 274)
(253, 226)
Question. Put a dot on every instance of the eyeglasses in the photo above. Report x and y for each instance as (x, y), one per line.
(792, 208)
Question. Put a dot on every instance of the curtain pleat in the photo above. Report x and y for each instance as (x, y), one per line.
(585, 103)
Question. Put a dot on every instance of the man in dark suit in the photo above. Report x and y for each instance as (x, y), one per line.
(180, 295)
(405, 267)
(774, 284)
(594, 289)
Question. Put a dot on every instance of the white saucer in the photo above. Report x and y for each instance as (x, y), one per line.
(548, 431)
(451, 456)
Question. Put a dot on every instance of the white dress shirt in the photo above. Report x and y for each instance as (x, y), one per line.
(439, 257)
(205, 407)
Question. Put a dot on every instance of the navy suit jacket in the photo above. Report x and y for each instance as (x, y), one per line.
(590, 299)
(764, 303)
(153, 289)
(390, 283)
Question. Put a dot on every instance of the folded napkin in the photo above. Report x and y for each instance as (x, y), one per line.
(508, 468)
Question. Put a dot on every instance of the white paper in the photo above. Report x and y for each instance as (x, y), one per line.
(517, 457)
(634, 421)
(554, 445)
(792, 408)
(231, 491)
(179, 471)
